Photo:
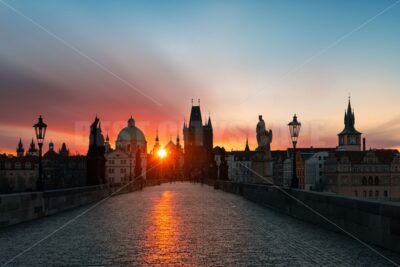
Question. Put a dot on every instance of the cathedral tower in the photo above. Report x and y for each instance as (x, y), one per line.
(198, 144)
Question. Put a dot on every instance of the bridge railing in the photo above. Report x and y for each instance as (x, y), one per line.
(374, 222)
(20, 207)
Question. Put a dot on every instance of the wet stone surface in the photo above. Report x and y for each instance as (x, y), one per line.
(180, 224)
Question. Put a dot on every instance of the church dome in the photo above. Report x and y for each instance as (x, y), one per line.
(131, 133)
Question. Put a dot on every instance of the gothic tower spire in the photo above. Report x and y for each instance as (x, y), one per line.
(349, 138)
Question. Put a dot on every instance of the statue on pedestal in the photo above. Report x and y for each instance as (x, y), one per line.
(261, 161)
(264, 137)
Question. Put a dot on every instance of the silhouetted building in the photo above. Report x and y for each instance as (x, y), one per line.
(95, 157)
(349, 138)
(121, 162)
(20, 149)
(198, 145)
(153, 161)
(60, 170)
(18, 174)
(107, 144)
(174, 161)
(33, 151)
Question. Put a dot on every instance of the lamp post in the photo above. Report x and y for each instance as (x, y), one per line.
(294, 128)
(40, 131)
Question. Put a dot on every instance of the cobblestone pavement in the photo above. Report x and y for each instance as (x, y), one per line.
(181, 224)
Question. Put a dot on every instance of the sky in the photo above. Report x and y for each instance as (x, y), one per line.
(72, 60)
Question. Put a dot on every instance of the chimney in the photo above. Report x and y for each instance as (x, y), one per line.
(364, 144)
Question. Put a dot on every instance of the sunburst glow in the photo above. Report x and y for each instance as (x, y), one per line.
(162, 153)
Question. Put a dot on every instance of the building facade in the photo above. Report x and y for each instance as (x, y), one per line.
(239, 165)
(373, 174)
(60, 170)
(120, 164)
(314, 178)
(18, 174)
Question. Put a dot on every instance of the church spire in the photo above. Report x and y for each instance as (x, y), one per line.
(20, 148)
(247, 148)
(349, 119)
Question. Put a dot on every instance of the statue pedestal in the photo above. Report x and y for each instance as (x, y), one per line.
(261, 164)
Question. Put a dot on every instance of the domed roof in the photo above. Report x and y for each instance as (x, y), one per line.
(131, 133)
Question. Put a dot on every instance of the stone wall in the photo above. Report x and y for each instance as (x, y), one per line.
(21, 207)
(374, 222)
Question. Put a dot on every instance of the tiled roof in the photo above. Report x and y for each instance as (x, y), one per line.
(384, 156)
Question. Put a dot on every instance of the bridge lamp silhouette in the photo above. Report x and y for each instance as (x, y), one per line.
(294, 128)
(40, 131)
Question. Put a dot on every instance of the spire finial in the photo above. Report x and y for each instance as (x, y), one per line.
(157, 136)
(247, 148)
(192, 102)
(198, 101)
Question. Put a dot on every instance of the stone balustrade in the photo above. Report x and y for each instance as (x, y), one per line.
(374, 222)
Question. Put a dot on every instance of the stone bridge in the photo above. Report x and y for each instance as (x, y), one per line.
(180, 224)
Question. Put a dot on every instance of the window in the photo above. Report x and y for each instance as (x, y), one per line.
(385, 193)
(370, 193)
(370, 181)
(376, 193)
(356, 193)
(364, 180)
(364, 193)
(376, 180)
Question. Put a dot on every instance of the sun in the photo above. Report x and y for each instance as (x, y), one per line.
(162, 153)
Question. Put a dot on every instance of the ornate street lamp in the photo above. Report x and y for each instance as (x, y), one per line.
(294, 127)
(40, 130)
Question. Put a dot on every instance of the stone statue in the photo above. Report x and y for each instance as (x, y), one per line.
(264, 137)
(93, 132)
